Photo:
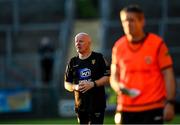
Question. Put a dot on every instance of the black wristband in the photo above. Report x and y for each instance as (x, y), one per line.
(95, 84)
(172, 102)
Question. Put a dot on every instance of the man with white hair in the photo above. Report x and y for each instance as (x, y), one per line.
(85, 75)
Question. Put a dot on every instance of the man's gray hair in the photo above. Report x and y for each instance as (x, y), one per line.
(81, 33)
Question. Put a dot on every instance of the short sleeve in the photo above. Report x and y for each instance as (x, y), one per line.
(105, 66)
(164, 57)
(68, 76)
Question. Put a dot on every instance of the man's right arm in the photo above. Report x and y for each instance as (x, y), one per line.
(70, 87)
(114, 71)
(68, 78)
(113, 79)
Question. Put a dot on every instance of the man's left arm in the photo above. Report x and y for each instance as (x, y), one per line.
(105, 68)
(102, 81)
(170, 90)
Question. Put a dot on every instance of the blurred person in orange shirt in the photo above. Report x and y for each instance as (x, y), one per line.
(141, 73)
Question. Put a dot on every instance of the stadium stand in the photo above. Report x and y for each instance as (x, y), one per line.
(41, 11)
(173, 9)
(6, 15)
(2, 44)
(23, 24)
(155, 13)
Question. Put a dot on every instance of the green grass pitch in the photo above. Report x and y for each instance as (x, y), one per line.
(108, 120)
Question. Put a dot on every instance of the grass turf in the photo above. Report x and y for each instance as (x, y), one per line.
(108, 120)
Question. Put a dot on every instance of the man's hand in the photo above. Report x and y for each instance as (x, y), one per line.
(76, 87)
(169, 112)
(130, 92)
(84, 86)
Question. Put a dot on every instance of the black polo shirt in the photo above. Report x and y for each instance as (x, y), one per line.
(91, 69)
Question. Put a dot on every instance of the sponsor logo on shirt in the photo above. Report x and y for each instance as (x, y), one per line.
(85, 73)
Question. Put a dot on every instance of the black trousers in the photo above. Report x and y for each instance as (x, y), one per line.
(154, 116)
(90, 118)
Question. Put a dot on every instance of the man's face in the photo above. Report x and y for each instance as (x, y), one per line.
(131, 23)
(82, 44)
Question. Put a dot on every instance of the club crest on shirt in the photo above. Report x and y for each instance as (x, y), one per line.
(93, 61)
(148, 59)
